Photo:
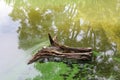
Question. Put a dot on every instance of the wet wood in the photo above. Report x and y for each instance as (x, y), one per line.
(67, 48)
(77, 56)
(62, 51)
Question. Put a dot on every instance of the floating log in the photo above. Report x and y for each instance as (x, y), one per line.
(77, 56)
(62, 51)
(67, 48)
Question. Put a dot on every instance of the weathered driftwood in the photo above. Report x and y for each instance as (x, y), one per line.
(77, 56)
(67, 48)
(62, 51)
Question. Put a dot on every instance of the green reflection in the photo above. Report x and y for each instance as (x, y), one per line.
(78, 23)
(51, 70)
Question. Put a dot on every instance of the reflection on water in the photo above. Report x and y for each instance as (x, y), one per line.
(12, 60)
(77, 23)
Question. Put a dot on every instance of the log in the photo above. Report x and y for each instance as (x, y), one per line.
(67, 48)
(62, 51)
(77, 56)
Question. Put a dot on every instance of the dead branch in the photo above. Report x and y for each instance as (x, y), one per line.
(62, 51)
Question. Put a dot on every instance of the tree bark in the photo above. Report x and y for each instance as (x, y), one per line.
(62, 51)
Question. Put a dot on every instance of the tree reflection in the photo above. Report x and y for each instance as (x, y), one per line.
(36, 23)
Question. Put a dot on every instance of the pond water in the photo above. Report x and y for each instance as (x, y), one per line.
(12, 60)
(24, 25)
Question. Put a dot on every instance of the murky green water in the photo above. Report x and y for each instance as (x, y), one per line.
(24, 25)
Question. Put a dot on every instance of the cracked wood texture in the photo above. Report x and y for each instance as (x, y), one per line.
(62, 51)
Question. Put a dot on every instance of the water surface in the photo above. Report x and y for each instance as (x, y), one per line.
(78, 23)
(12, 59)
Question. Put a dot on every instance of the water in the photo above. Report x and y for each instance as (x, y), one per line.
(12, 60)
(24, 26)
